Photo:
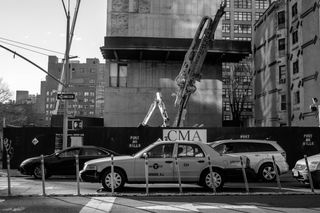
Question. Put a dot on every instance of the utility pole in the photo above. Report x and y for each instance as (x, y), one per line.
(69, 36)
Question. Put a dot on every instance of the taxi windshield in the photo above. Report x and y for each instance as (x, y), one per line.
(142, 151)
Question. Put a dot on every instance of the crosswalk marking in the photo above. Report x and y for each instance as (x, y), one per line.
(98, 205)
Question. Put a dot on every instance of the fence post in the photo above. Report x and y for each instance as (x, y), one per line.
(43, 176)
(309, 173)
(244, 175)
(77, 174)
(146, 169)
(8, 172)
(179, 175)
(277, 173)
(211, 175)
(112, 176)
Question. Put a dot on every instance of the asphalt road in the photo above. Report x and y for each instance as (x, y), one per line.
(175, 204)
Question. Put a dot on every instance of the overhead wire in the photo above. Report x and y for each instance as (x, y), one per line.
(24, 48)
(37, 47)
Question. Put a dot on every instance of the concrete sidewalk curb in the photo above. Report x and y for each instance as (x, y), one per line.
(165, 194)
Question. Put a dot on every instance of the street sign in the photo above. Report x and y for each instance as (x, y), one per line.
(66, 96)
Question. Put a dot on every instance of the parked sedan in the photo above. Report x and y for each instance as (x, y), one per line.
(192, 158)
(300, 171)
(63, 162)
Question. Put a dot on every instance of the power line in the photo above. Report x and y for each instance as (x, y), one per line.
(24, 48)
(31, 46)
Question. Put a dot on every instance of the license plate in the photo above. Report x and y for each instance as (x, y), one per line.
(295, 173)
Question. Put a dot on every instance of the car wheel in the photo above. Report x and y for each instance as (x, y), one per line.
(267, 173)
(119, 180)
(37, 172)
(218, 179)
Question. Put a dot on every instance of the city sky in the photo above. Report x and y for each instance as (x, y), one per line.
(42, 23)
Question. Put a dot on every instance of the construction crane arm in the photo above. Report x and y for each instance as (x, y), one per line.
(191, 67)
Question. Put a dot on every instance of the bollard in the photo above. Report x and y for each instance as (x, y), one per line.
(146, 169)
(9, 178)
(112, 176)
(179, 176)
(309, 174)
(43, 176)
(211, 175)
(77, 174)
(277, 173)
(244, 175)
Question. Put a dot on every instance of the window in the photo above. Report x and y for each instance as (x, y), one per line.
(258, 15)
(242, 4)
(118, 75)
(242, 16)
(295, 67)
(297, 97)
(294, 10)
(281, 19)
(262, 4)
(185, 150)
(242, 28)
(295, 37)
(283, 103)
(93, 152)
(282, 74)
(226, 28)
(161, 151)
(282, 46)
(69, 153)
(227, 15)
(226, 117)
(261, 147)
(228, 3)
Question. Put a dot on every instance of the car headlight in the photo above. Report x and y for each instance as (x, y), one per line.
(313, 165)
(90, 167)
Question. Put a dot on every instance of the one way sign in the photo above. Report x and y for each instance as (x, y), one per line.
(66, 96)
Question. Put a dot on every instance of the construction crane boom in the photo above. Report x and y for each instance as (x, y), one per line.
(191, 68)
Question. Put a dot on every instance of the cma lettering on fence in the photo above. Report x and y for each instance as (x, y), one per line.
(199, 135)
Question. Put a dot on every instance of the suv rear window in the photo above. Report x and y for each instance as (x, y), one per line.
(239, 147)
(261, 147)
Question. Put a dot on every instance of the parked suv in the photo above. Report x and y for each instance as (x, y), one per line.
(259, 152)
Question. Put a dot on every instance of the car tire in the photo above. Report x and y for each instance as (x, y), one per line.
(119, 180)
(37, 173)
(218, 179)
(267, 173)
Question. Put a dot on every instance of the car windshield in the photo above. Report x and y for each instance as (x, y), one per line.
(143, 151)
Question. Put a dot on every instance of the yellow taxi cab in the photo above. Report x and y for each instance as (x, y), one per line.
(165, 159)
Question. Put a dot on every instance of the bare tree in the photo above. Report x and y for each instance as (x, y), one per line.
(239, 90)
(5, 93)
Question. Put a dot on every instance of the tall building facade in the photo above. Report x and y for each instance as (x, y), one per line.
(238, 24)
(286, 46)
(86, 82)
(144, 49)
(22, 96)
